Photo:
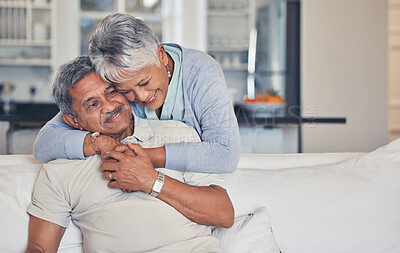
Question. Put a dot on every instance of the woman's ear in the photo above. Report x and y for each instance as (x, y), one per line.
(71, 120)
(162, 55)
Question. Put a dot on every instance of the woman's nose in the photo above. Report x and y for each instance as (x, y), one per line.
(141, 96)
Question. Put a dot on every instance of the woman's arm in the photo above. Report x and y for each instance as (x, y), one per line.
(210, 112)
(57, 139)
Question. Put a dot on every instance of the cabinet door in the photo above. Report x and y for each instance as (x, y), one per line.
(27, 33)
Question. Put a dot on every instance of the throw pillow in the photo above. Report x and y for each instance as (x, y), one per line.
(249, 233)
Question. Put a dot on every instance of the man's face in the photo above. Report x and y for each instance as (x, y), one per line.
(99, 106)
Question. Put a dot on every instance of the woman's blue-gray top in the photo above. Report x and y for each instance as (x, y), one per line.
(208, 109)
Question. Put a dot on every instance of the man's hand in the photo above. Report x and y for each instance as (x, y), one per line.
(131, 168)
(103, 144)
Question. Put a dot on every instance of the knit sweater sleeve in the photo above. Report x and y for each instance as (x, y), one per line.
(57, 139)
(209, 110)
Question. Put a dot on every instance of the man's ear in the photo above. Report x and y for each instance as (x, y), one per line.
(71, 120)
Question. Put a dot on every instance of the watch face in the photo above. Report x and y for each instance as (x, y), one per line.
(158, 184)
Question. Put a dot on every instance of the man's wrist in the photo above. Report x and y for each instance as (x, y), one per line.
(158, 185)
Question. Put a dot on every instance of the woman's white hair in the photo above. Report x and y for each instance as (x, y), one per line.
(121, 45)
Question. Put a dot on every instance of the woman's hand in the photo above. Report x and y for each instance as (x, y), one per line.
(130, 167)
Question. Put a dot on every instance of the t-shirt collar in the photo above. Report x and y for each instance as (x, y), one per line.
(142, 131)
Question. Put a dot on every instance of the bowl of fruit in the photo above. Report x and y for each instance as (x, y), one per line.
(265, 104)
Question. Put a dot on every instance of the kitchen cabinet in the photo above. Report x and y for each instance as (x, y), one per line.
(27, 33)
(257, 44)
(229, 23)
(228, 30)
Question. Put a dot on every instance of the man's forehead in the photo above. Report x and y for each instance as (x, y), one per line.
(88, 88)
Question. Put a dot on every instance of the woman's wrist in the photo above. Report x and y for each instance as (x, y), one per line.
(95, 136)
(88, 146)
(157, 156)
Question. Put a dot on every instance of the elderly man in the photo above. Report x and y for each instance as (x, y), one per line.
(158, 210)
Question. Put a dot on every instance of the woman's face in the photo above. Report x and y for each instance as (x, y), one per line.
(149, 85)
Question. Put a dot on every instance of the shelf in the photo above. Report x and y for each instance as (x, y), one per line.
(13, 4)
(27, 37)
(22, 4)
(25, 62)
(100, 15)
(239, 68)
(228, 13)
(228, 48)
(41, 6)
(24, 43)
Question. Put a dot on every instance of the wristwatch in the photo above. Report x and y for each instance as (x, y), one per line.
(158, 185)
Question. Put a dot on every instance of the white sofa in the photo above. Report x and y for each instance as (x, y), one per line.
(343, 202)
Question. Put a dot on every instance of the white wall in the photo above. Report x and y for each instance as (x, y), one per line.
(344, 73)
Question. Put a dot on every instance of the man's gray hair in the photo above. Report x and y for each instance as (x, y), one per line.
(65, 79)
(121, 45)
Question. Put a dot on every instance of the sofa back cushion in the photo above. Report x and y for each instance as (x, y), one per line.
(347, 206)
(18, 174)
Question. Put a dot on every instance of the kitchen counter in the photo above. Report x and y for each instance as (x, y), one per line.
(246, 118)
(42, 112)
(280, 119)
(30, 112)
(28, 115)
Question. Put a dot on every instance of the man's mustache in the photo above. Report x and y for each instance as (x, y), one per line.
(113, 113)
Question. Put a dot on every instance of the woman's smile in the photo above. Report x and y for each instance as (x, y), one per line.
(152, 99)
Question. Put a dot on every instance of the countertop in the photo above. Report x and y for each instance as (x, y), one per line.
(42, 112)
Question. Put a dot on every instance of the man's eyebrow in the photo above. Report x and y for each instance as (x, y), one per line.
(87, 101)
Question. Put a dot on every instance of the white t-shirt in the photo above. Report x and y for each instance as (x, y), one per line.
(114, 221)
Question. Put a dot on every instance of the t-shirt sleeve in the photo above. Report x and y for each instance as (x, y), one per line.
(57, 139)
(48, 200)
(204, 179)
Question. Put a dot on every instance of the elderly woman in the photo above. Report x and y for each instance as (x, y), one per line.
(162, 81)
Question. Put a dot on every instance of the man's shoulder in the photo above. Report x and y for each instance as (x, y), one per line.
(64, 167)
(174, 131)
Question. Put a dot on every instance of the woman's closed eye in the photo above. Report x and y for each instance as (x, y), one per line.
(113, 91)
(124, 92)
(143, 84)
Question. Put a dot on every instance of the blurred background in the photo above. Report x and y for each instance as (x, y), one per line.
(304, 76)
